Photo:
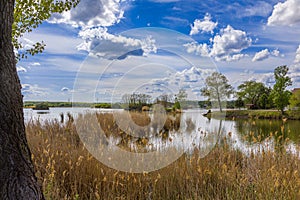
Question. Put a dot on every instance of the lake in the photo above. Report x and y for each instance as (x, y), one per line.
(198, 132)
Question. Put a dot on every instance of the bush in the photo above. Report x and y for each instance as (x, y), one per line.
(41, 106)
(102, 105)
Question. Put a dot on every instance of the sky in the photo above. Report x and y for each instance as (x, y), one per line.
(103, 49)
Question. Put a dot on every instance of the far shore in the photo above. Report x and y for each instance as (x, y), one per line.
(255, 114)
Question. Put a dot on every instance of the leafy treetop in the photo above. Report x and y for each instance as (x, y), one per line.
(279, 93)
(217, 88)
(295, 100)
(252, 92)
(29, 14)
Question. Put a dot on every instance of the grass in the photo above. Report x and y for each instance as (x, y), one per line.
(294, 114)
(258, 114)
(252, 114)
(66, 170)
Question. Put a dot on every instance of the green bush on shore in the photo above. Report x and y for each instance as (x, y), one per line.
(257, 114)
(41, 106)
(294, 114)
(102, 105)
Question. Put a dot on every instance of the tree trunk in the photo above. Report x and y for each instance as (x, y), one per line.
(17, 175)
(219, 100)
(282, 111)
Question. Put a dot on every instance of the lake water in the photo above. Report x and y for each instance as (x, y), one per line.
(198, 132)
(55, 113)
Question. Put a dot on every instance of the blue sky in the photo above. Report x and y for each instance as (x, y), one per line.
(103, 49)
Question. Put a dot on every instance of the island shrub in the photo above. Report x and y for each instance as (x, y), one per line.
(41, 106)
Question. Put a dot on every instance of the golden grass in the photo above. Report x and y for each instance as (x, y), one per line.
(67, 171)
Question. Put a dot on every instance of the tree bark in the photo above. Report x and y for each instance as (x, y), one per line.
(219, 100)
(17, 174)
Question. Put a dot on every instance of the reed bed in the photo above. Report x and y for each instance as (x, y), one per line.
(66, 170)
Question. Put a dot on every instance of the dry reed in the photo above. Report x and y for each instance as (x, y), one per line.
(66, 170)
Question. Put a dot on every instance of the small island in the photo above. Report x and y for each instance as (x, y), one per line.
(41, 106)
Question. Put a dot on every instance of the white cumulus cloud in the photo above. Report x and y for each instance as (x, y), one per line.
(227, 46)
(21, 69)
(191, 79)
(294, 74)
(297, 57)
(230, 41)
(276, 53)
(205, 25)
(265, 54)
(33, 90)
(262, 55)
(231, 58)
(89, 13)
(198, 49)
(35, 64)
(285, 13)
(98, 42)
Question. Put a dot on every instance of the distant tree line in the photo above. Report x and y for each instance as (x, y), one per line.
(137, 101)
(46, 104)
(252, 94)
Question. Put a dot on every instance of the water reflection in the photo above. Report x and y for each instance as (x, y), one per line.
(148, 132)
(187, 131)
(253, 136)
(264, 128)
(139, 142)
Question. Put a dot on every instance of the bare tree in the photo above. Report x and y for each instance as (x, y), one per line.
(217, 88)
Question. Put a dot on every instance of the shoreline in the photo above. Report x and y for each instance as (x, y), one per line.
(255, 114)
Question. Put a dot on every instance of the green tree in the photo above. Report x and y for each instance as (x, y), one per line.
(256, 93)
(279, 93)
(263, 101)
(239, 103)
(180, 99)
(217, 88)
(176, 105)
(295, 100)
(28, 15)
(17, 174)
(136, 101)
(182, 95)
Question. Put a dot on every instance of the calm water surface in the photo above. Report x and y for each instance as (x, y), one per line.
(198, 132)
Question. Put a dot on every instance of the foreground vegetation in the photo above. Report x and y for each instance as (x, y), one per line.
(67, 171)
